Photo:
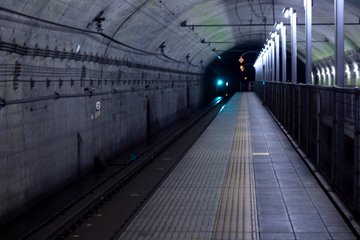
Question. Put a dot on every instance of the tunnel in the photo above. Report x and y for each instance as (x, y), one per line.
(82, 83)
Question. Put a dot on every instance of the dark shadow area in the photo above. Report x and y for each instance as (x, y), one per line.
(300, 68)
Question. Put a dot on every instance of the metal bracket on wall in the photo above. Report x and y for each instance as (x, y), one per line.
(2, 102)
(56, 95)
(89, 91)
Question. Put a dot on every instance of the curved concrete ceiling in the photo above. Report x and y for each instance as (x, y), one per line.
(145, 24)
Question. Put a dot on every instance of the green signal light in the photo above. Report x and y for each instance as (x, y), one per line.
(220, 82)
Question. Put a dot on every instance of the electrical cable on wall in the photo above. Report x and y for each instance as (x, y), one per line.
(167, 26)
(88, 31)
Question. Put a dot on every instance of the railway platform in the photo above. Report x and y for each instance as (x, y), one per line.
(242, 179)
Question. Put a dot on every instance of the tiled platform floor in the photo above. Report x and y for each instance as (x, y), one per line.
(242, 179)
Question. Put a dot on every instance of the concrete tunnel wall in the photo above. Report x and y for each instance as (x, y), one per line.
(46, 144)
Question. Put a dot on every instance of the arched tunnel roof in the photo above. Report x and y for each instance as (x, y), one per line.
(145, 24)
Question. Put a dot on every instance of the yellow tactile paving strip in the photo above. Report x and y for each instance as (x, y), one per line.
(237, 212)
(198, 196)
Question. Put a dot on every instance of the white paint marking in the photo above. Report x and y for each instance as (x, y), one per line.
(261, 154)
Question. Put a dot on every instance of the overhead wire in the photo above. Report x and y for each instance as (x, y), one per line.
(132, 14)
(150, 15)
(253, 10)
(251, 16)
(237, 13)
(76, 29)
(11, 19)
(273, 11)
(168, 26)
(263, 15)
(57, 96)
(261, 10)
(118, 28)
(190, 31)
(177, 19)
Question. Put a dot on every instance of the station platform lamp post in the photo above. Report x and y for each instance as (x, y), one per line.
(291, 13)
(276, 38)
(308, 31)
(280, 27)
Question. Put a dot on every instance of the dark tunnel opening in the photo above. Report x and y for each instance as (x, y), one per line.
(224, 75)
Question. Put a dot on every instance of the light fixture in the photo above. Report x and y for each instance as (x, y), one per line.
(273, 34)
(319, 75)
(356, 67)
(348, 74)
(279, 25)
(323, 72)
(219, 82)
(356, 70)
(329, 75)
(312, 77)
(318, 72)
(287, 12)
(333, 70)
(347, 70)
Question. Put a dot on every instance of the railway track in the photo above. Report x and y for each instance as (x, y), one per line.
(105, 210)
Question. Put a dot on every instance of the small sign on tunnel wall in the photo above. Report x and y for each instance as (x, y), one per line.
(98, 108)
(97, 111)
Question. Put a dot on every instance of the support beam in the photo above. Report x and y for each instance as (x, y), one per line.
(277, 54)
(184, 24)
(283, 53)
(293, 48)
(308, 30)
(272, 60)
(339, 43)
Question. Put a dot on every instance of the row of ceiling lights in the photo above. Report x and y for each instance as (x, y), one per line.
(325, 71)
(266, 56)
(271, 47)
